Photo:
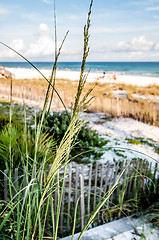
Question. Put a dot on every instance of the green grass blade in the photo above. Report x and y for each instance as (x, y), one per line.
(35, 69)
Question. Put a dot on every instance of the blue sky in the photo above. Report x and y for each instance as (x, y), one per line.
(124, 30)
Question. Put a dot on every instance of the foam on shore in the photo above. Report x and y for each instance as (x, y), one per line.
(24, 73)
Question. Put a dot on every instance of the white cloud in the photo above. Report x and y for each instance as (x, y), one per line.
(135, 44)
(18, 45)
(44, 28)
(122, 46)
(3, 11)
(42, 46)
(124, 56)
(152, 8)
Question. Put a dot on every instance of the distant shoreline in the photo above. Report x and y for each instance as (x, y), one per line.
(125, 68)
(112, 77)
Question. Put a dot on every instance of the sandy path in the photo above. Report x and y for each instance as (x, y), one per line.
(118, 130)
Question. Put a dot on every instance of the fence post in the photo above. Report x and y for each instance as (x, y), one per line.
(24, 180)
(76, 184)
(135, 179)
(5, 186)
(124, 182)
(121, 169)
(89, 189)
(116, 171)
(69, 198)
(101, 185)
(82, 200)
(110, 182)
(154, 175)
(95, 186)
(15, 183)
(62, 208)
(106, 178)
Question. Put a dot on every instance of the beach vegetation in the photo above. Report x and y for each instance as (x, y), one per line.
(27, 210)
(120, 153)
(88, 142)
(133, 104)
(24, 214)
(133, 141)
(142, 141)
(4, 122)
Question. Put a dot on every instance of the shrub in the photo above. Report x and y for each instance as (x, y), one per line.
(89, 143)
(4, 122)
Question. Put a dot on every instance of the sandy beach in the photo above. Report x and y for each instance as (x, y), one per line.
(23, 73)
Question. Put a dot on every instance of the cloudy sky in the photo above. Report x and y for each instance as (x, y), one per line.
(125, 30)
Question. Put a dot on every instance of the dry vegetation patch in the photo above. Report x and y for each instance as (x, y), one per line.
(111, 98)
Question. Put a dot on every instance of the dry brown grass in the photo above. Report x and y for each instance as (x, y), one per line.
(66, 84)
(105, 101)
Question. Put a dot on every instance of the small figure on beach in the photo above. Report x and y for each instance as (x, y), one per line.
(101, 77)
(114, 76)
(108, 76)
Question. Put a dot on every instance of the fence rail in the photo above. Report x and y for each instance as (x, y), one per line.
(87, 184)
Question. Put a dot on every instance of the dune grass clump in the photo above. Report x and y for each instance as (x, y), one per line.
(27, 206)
(24, 213)
(88, 142)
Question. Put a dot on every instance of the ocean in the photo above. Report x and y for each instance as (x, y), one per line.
(150, 69)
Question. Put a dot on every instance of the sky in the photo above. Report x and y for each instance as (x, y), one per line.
(121, 30)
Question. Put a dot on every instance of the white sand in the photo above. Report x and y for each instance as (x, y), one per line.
(118, 130)
(23, 73)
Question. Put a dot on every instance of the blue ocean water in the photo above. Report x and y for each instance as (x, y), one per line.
(128, 68)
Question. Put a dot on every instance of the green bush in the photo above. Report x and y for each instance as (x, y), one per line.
(89, 143)
(4, 122)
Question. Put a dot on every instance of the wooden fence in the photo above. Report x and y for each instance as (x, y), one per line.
(116, 107)
(89, 183)
(145, 111)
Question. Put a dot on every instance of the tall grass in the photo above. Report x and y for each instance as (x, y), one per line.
(28, 209)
